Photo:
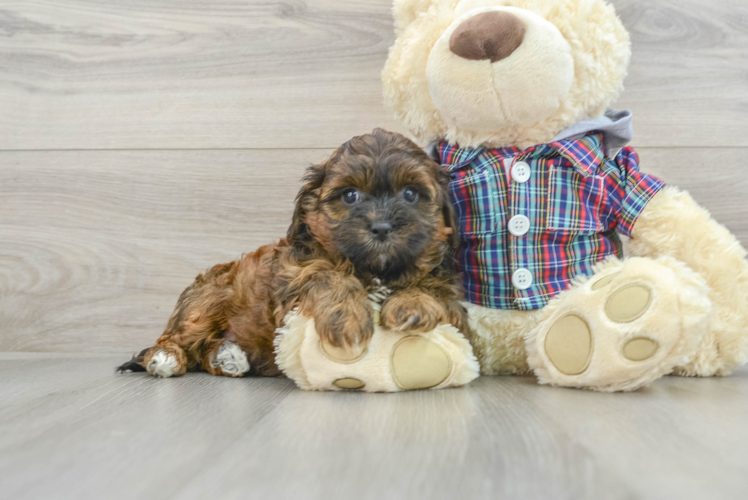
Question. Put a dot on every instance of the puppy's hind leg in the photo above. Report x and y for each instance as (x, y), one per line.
(166, 360)
(194, 329)
(226, 358)
(162, 360)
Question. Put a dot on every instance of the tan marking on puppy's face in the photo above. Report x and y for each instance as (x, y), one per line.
(381, 203)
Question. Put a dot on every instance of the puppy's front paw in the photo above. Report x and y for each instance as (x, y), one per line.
(347, 326)
(413, 311)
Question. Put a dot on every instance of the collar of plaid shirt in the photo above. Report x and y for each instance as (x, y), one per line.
(576, 200)
(615, 127)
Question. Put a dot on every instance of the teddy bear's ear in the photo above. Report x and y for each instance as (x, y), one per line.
(405, 11)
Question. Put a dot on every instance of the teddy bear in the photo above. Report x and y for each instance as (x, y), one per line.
(513, 98)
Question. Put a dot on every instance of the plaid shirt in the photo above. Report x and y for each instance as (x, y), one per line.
(575, 200)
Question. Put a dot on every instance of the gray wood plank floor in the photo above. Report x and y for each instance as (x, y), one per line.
(71, 428)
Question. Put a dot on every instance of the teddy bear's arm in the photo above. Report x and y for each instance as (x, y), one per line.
(674, 225)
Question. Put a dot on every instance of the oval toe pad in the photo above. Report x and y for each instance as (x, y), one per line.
(349, 383)
(628, 303)
(640, 349)
(604, 281)
(419, 363)
(344, 355)
(568, 345)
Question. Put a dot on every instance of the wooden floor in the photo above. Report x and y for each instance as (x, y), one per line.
(142, 141)
(72, 429)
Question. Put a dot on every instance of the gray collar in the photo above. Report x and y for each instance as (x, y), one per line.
(615, 125)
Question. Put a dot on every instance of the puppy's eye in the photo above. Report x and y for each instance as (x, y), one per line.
(351, 196)
(410, 195)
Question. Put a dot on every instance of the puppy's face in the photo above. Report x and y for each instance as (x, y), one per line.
(381, 203)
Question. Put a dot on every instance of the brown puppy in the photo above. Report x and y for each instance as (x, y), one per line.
(376, 210)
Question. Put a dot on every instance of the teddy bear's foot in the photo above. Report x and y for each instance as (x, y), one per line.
(631, 323)
(393, 361)
(417, 362)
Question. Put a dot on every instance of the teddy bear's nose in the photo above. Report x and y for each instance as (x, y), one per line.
(491, 35)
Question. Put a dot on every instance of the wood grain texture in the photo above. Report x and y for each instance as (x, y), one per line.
(688, 80)
(715, 177)
(96, 246)
(190, 73)
(72, 429)
(90, 74)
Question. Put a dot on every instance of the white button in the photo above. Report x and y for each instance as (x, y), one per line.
(519, 225)
(522, 279)
(521, 172)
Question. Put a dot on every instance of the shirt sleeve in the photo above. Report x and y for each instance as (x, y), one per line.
(636, 190)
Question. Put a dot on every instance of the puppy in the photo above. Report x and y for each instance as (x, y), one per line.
(376, 212)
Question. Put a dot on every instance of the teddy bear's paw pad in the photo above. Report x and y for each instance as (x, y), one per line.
(628, 303)
(162, 365)
(345, 355)
(349, 383)
(568, 345)
(231, 360)
(640, 349)
(604, 281)
(419, 363)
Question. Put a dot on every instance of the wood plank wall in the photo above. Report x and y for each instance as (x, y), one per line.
(142, 141)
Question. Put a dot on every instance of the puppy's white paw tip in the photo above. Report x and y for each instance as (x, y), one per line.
(231, 360)
(162, 365)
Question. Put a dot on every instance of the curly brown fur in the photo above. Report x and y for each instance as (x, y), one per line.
(397, 228)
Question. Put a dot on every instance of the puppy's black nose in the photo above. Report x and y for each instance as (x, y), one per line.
(381, 230)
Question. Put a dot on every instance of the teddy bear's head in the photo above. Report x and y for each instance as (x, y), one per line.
(503, 72)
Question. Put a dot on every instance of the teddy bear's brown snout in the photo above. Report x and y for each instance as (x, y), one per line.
(491, 35)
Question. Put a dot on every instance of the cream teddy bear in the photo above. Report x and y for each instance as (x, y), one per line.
(513, 96)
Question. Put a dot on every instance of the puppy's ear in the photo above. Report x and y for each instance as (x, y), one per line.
(449, 221)
(299, 235)
(448, 212)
